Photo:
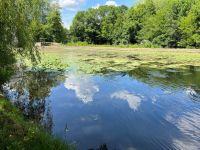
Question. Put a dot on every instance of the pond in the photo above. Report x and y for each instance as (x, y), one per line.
(139, 109)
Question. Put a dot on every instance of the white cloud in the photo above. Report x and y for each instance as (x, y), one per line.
(69, 4)
(108, 3)
(111, 3)
(83, 86)
(133, 101)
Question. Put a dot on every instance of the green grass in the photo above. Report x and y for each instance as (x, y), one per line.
(97, 59)
(146, 45)
(16, 133)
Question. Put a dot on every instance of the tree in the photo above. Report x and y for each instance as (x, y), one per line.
(49, 25)
(96, 26)
(78, 27)
(54, 26)
(120, 36)
(93, 26)
(167, 23)
(135, 18)
(190, 27)
(111, 23)
(16, 33)
(40, 10)
(163, 27)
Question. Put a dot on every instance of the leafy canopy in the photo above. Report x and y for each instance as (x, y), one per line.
(167, 23)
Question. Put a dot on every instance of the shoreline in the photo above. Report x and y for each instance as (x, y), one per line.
(20, 133)
(113, 48)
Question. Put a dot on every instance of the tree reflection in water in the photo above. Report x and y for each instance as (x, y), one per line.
(29, 92)
(101, 147)
(184, 78)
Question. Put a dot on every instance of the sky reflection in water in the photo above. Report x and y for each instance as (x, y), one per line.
(133, 101)
(142, 109)
(83, 87)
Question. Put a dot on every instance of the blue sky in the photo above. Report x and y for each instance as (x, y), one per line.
(71, 7)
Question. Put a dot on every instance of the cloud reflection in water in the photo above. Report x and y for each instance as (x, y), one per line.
(133, 101)
(83, 86)
(189, 126)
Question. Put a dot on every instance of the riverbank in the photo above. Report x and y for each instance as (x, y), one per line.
(99, 59)
(127, 47)
(16, 133)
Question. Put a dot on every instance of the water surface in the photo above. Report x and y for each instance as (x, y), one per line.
(134, 110)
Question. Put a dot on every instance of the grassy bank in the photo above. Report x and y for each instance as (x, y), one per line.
(19, 134)
(97, 59)
(146, 45)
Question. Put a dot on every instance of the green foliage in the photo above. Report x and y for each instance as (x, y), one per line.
(144, 44)
(5, 74)
(50, 27)
(135, 18)
(79, 43)
(163, 27)
(16, 33)
(112, 24)
(54, 26)
(78, 27)
(18, 134)
(167, 23)
(23, 23)
(190, 27)
(97, 26)
(48, 63)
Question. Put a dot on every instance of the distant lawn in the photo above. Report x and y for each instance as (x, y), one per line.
(19, 134)
(98, 59)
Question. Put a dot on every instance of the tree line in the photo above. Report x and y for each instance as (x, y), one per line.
(166, 23)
